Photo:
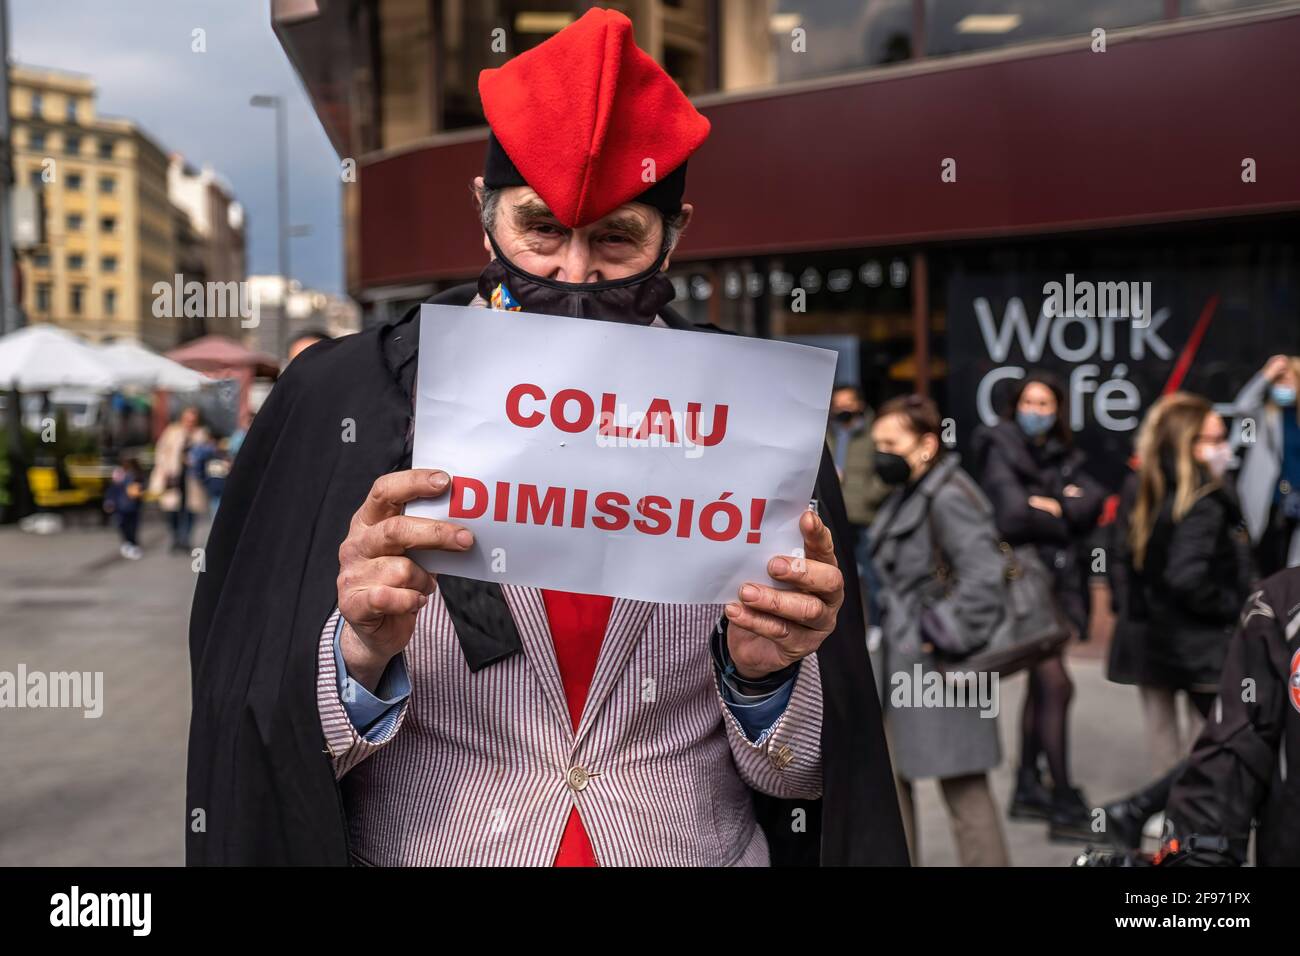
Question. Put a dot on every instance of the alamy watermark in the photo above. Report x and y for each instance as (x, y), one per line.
(1121, 300)
(621, 427)
(207, 300)
(75, 690)
(949, 689)
(74, 908)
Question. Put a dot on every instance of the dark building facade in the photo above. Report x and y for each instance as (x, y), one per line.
(899, 180)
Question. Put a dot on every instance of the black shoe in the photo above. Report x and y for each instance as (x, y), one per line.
(1031, 800)
(1126, 818)
(1124, 822)
(1071, 818)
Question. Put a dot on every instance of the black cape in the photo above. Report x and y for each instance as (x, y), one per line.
(260, 787)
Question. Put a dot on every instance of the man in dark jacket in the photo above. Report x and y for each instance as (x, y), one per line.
(572, 234)
(1238, 768)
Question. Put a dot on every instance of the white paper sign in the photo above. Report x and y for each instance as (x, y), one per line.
(625, 460)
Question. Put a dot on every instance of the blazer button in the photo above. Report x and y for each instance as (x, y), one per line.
(781, 759)
(578, 778)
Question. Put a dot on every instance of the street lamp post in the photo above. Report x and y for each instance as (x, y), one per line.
(282, 204)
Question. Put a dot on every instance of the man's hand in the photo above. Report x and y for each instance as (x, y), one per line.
(770, 629)
(380, 590)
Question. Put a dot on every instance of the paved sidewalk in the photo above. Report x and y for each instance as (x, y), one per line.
(1108, 756)
(78, 791)
(107, 790)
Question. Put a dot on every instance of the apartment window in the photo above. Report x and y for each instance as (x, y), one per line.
(74, 222)
(76, 261)
(110, 302)
(42, 297)
(38, 104)
(72, 110)
(108, 264)
(72, 144)
(105, 149)
(78, 299)
(107, 185)
(74, 181)
(108, 224)
(41, 260)
(36, 140)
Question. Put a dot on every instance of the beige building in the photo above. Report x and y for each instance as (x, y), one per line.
(109, 226)
(210, 243)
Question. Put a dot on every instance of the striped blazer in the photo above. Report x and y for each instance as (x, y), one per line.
(482, 768)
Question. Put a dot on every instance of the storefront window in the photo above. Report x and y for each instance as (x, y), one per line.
(1193, 8)
(765, 42)
(1223, 298)
(406, 77)
(855, 302)
(476, 36)
(960, 26)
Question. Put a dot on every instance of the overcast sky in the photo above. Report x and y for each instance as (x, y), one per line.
(139, 54)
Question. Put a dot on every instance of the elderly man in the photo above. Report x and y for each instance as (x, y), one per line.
(348, 706)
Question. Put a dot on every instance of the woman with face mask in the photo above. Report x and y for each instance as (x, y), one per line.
(1179, 568)
(1267, 435)
(1189, 553)
(936, 517)
(1042, 496)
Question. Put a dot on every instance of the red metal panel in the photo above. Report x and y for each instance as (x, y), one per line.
(1154, 129)
(418, 219)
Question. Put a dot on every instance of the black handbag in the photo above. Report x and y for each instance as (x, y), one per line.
(1032, 629)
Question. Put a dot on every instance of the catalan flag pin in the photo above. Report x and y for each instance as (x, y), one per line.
(503, 300)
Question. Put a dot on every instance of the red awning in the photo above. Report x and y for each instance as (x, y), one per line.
(216, 353)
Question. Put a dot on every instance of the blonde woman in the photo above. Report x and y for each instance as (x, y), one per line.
(1182, 571)
(1268, 435)
(1188, 550)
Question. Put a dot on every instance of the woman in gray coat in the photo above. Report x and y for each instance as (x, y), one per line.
(934, 548)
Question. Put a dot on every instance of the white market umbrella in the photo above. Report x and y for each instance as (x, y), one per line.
(135, 365)
(40, 358)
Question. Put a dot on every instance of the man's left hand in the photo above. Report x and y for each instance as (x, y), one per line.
(769, 628)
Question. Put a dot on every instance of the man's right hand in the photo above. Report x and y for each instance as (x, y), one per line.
(380, 589)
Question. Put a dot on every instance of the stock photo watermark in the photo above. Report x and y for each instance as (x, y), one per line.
(68, 690)
(950, 690)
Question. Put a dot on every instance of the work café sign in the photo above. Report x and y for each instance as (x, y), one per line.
(604, 458)
(1116, 342)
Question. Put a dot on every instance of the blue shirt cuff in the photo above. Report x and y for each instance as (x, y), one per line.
(371, 711)
(757, 714)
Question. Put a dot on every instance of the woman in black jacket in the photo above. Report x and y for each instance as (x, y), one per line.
(1184, 569)
(1189, 551)
(1041, 496)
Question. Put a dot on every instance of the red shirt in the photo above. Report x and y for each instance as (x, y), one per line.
(578, 623)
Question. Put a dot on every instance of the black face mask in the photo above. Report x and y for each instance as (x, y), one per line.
(892, 469)
(845, 417)
(635, 299)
